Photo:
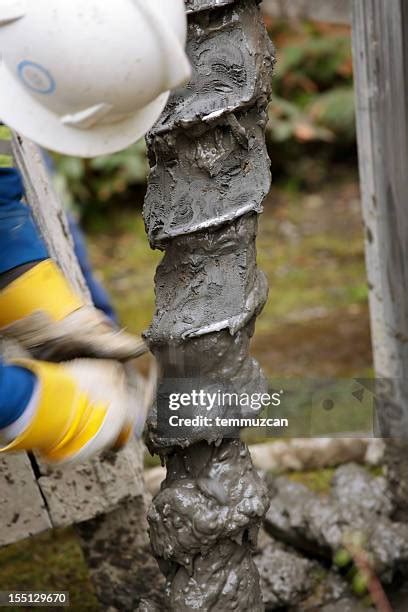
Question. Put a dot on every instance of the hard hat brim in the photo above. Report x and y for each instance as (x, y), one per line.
(22, 112)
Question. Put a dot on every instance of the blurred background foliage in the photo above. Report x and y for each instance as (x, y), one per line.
(97, 185)
(311, 117)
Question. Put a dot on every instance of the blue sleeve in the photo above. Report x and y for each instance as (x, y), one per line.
(20, 241)
(16, 388)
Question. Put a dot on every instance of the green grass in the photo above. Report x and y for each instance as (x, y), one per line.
(50, 561)
(317, 408)
(126, 265)
(315, 267)
(318, 481)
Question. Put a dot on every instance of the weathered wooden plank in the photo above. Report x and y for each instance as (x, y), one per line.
(23, 511)
(79, 493)
(331, 11)
(48, 213)
(22, 508)
(380, 45)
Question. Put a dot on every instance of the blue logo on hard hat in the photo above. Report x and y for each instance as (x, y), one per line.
(36, 77)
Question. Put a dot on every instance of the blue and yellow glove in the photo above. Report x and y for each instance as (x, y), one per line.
(79, 409)
(41, 311)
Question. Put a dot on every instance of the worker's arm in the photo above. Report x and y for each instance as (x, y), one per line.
(66, 412)
(38, 307)
(16, 390)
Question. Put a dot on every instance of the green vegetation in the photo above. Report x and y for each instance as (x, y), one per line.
(355, 563)
(318, 481)
(126, 264)
(4, 133)
(311, 114)
(102, 183)
(51, 561)
(5, 161)
(312, 264)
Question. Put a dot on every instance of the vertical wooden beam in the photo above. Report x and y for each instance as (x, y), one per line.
(49, 215)
(380, 44)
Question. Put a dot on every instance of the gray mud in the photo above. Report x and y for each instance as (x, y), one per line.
(210, 494)
(209, 176)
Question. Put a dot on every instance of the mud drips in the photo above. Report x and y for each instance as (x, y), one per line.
(210, 494)
(210, 174)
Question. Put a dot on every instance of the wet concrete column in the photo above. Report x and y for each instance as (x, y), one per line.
(210, 174)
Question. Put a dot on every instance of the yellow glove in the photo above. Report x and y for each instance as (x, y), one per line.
(42, 312)
(81, 408)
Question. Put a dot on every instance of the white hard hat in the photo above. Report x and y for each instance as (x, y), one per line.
(89, 77)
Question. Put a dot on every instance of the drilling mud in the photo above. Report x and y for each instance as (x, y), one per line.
(209, 176)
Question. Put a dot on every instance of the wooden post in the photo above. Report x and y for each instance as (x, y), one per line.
(380, 44)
